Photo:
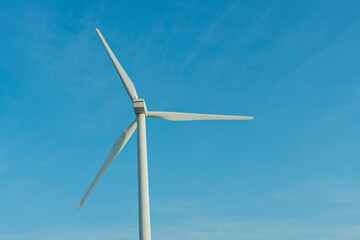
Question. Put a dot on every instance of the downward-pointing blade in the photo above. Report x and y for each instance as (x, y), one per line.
(119, 144)
(176, 116)
(128, 84)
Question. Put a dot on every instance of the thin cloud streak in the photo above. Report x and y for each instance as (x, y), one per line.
(196, 229)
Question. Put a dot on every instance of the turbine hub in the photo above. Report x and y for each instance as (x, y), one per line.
(139, 106)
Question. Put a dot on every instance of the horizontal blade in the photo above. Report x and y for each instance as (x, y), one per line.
(129, 86)
(119, 144)
(176, 116)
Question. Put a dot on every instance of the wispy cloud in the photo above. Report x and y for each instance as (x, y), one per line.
(196, 229)
(331, 190)
(210, 33)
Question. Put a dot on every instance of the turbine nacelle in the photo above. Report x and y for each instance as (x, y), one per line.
(139, 106)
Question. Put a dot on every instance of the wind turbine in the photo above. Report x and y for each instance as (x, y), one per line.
(140, 122)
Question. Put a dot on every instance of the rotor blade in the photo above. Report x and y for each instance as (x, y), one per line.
(119, 144)
(129, 86)
(176, 116)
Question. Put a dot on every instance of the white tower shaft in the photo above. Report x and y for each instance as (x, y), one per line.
(143, 181)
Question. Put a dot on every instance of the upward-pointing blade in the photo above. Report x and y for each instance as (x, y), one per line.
(177, 116)
(128, 84)
(119, 144)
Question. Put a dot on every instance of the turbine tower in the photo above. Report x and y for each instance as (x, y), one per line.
(140, 122)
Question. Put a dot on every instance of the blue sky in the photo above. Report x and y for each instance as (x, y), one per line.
(291, 173)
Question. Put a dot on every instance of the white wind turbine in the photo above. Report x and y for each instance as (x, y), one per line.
(142, 113)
